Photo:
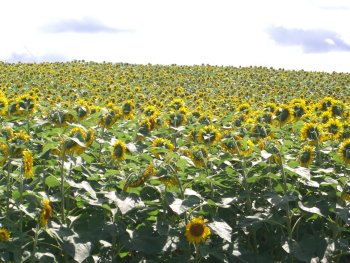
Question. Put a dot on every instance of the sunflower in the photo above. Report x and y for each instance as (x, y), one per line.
(128, 109)
(110, 117)
(259, 130)
(3, 106)
(118, 151)
(231, 142)
(270, 107)
(306, 156)
(176, 104)
(90, 136)
(325, 103)
(82, 109)
(60, 117)
(19, 137)
(27, 104)
(325, 116)
(344, 151)
(205, 118)
(311, 132)
(346, 131)
(161, 143)
(198, 155)
(197, 231)
(177, 119)
(334, 129)
(75, 142)
(45, 213)
(337, 108)
(209, 135)
(4, 235)
(7, 132)
(151, 111)
(284, 114)
(265, 117)
(245, 108)
(299, 111)
(4, 153)
(28, 164)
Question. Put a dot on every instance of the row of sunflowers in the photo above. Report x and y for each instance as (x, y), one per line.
(146, 163)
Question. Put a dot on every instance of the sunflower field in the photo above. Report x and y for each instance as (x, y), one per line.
(115, 162)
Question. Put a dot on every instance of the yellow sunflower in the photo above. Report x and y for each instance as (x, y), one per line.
(209, 135)
(197, 231)
(198, 155)
(128, 109)
(82, 109)
(306, 156)
(110, 117)
(334, 129)
(344, 151)
(161, 143)
(3, 106)
(284, 114)
(19, 137)
(90, 136)
(4, 235)
(177, 119)
(4, 153)
(27, 103)
(312, 133)
(28, 164)
(118, 151)
(45, 213)
(75, 142)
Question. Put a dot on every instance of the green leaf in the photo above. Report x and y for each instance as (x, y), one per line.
(52, 181)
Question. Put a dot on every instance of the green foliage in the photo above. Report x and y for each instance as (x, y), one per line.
(87, 203)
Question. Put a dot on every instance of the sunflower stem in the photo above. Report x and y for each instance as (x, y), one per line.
(35, 243)
(62, 185)
(8, 186)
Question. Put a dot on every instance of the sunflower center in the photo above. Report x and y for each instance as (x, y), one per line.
(305, 157)
(197, 230)
(312, 133)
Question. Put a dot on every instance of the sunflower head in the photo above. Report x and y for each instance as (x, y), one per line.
(334, 129)
(46, 212)
(28, 164)
(3, 106)
(4, 235)
(177, 119)
(118, 151)
(198, 154)
(159, 145)
(344, 151)
(197, 231)
(90, 136)
(284, 114)
(177, 104)
(75, 142)
(312, 133)
(4, 153)
(306, 156)
(27, 103)
(128, 109)
(209, 135)
(337, 108)
(82, 109)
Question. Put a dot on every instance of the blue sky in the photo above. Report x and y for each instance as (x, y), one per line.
(291, 34)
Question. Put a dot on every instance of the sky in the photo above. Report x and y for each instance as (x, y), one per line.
(311, 35)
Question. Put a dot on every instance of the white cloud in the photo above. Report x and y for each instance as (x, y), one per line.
(221, 32)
